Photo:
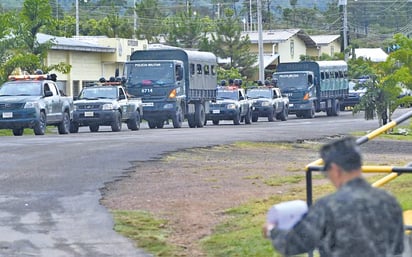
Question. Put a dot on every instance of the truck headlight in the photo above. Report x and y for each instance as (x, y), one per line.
(31, 105)
(231, 106)
(168, 106)
(107, 107)
(265, 103)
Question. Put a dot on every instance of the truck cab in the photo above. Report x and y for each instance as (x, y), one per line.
(33, 101)
(231, 104)
(105, 104)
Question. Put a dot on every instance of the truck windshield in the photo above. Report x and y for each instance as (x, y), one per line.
(99, 93)
(227, 94)
(21, 89)
(259, 93)
(149, 73)
(292, 81)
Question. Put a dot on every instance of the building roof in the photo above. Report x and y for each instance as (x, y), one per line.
(324, 39)
(279, 36)
(373, 54)
(72, 44)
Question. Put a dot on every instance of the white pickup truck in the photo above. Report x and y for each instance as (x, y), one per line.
(268, 102)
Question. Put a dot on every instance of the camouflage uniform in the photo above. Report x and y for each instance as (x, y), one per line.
(357, 220)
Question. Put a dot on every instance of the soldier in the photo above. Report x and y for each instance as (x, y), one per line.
(267, 83)
(357, 220)
(231, 83)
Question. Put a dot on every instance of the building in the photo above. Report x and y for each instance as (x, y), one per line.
(372, 54)
(90, 58)
(325, 44)
(283, 45)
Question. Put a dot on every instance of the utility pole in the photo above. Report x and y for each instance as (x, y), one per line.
(77, 18)
(134, 19)
(250, 16)
(343, 8)
(260, 43)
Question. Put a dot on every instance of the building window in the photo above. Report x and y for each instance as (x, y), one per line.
(292, 48)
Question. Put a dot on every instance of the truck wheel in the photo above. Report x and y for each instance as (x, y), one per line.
(117, 123)
(64, 126)
(248, 117)
(271, 115)
(94, 128)
(200, 115)
(160, 123)
(74, 127)
(236, 119)
(284, 115)
(40, 125)
(18, 131)
(215, 122)
(310, 114)
(255, 117)
(134, 122)
(152, 124)
(335, 107)
(177, 119)
(191, 120)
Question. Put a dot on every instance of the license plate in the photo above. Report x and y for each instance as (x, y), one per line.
(216, 111)
(147, 104)
(7, 115)
(290, 105)
(88, 114)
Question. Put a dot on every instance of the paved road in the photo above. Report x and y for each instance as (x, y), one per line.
(50, 185)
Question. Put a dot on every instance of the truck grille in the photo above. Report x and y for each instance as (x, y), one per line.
(11, 106)
(89, 107)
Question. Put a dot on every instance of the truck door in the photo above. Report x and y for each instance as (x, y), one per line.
(123, 103)
(51, 100)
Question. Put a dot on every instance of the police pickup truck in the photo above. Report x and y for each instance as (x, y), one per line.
(231, 104)
(34, 101)
(268, 102)
(105, 104)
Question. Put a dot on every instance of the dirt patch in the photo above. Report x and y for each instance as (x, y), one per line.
(192, 188)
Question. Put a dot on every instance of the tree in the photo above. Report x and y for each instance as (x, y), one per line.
(149, 20)
(186, 29)
(228, 42)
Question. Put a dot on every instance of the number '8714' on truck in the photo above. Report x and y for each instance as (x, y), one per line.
(173, 83)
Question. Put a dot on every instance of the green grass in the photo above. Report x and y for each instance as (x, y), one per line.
(147, 231)
(27, 131)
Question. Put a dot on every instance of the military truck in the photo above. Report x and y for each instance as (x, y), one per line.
(268, 102)
(173, 83)
(105, 104)
(313, 86)
(34, 101)
(231, 104)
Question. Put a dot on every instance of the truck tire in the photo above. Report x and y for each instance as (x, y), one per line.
(134, 123)
(177, 119)
(271, 115)
(94, 128)
(310, 114)
(248, 117)
(200, 115)
(283, 116)
(18, 131)
(40, 125)
(152, 124)
(74, 127)
(117, 123)
(236, 119)
(191, 120)
(335, 107)
(255, 117)
(160, 123)
(64, 126)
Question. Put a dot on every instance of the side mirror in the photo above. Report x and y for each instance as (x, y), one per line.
(48, 93)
